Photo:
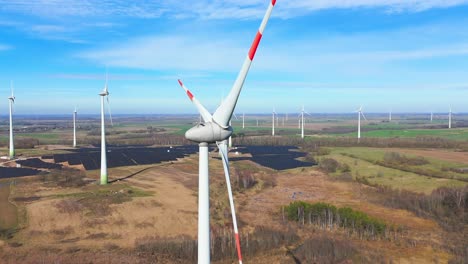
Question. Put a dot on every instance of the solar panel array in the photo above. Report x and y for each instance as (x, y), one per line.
(90, 158)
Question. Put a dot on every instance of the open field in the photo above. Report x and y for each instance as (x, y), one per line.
(160, 200)
(63, 215)
(383, 175)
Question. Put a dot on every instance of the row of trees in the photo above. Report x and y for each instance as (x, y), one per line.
(328, 216)
(184, 249)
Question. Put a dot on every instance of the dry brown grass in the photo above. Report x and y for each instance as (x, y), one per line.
(70, 233)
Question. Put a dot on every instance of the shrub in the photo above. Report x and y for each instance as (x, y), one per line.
(396, 158)
(323, 249)
(328, 216)
(328, 165)
(344, 167)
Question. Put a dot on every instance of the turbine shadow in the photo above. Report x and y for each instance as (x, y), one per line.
(131, 175)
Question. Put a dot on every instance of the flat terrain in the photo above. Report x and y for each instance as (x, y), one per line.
(161, 201)
(148, 213)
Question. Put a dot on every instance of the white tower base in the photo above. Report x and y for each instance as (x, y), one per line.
(203, 206)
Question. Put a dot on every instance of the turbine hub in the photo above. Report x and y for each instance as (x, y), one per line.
(208, 132)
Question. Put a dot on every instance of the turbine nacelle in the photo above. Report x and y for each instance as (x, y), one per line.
(208, 132)
(104, 93)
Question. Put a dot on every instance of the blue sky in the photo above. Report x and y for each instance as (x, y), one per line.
(330, 55)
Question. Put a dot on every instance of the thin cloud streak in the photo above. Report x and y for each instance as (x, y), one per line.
(207, 9)
(5, 47)
(121, 77)
(173, 53)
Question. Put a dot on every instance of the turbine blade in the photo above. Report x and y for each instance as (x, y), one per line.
(109, 109)
(107, 78)
(201, 109)
(223, 114)
(224, 157)
(363, 116)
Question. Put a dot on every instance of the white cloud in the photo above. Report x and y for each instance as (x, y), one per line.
(195, 53)
(4, 47)
(169, 53)
(208, 9)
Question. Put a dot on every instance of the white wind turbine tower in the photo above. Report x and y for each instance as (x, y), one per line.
(359, 111)
(450, 118)
(390, 116)
(74, 127)
(230, 137)
(273, 123)
(216, 129)
(302, 121)
(432, 114)
(243, 120)
(11, 100)
(104, 93)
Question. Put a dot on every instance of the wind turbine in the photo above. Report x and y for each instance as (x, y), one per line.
(11, 100)
(302, 121)
(104, 93)
(216, 129)
(390, 116)
(450, 118)
(230, 137)
(359, 111)
(432, 114)
(74, 127)
(243, 120)
(273, 123)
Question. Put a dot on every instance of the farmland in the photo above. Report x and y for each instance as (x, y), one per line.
(55, 211)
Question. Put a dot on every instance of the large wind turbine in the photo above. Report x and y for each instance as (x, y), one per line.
(390, 116)
(359, 111)
(302, 121)
(74, 127)
(104, 93)
(432, 114)
(11, 100)
(216, 129)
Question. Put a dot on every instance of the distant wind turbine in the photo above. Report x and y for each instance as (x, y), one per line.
(273, 123)
(11, 100)
(74, 127)
(230, 137)
(450, 118)
(302, 121)
(432, 114)
(104, 93)
(359, 111)
(390, 116)
(243, 120)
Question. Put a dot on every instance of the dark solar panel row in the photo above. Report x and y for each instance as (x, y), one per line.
(37, 163)
(124, 156)
(6, 172)
(276, 157)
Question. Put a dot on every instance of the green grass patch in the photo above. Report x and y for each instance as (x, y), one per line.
(380, 175)
(460, 134)
(433, 167)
